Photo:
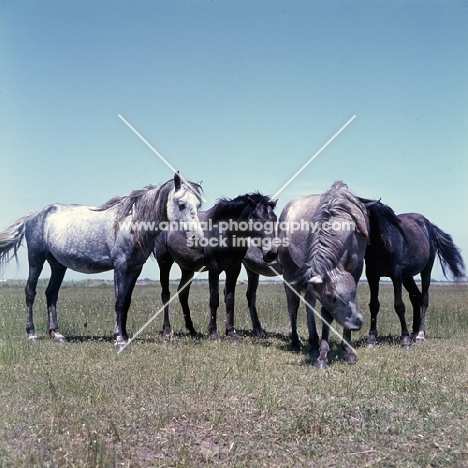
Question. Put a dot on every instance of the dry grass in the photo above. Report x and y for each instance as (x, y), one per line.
(190, 402)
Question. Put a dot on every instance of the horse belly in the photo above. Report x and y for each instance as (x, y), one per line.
(79, 240)
(78, 257)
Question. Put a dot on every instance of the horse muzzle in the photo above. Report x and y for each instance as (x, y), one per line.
(354, 323)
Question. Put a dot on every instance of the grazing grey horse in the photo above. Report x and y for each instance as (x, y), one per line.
(326, 236)
(229, 225)
(401, 247)
(117, 235)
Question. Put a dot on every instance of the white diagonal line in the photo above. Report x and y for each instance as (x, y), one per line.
(162, 158)
(313, 310)
(314, 156)
(161, 309)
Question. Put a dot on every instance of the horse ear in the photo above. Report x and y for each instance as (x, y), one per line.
(316, 280)
(177, 183)
(372, 203)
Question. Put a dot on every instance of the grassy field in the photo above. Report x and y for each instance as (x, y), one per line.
(190, 402)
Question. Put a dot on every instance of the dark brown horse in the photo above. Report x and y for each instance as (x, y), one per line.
(228, 225)
(401, 251)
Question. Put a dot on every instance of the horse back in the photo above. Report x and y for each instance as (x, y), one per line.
(406, 250)
(301, 208)
(77, 236)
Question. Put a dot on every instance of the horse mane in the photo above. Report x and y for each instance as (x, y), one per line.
(239, 207)
(147, 204)
(382, 222)
(326, 247)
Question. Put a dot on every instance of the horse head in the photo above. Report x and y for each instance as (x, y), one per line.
(264, 222)
(337, 293)
(183, 205)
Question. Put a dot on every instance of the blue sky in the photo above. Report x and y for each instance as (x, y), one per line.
(239, 94)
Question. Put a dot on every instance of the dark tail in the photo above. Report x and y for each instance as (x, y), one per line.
(11, 238)
(449, 255)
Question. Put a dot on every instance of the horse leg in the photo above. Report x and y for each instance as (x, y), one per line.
(349, 354)
(213, 278)
(374, 307)
(184, 291)
(416, 301)
(36, 263)
(124, 282)
(313, 335)
(252, 287)
(292, 298)
(232, 274)
(322, 360)
(56, 278)
(400, 310)
(164, 272)
(425, 283)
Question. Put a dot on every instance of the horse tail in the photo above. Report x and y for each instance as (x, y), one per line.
(449, 254)
(11, 238)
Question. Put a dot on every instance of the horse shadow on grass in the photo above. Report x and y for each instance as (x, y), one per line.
(282, 342)
(74, 339)
(388, 340)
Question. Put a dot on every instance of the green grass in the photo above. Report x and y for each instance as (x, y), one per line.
(190, 402)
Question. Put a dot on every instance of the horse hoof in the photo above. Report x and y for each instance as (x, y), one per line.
(406, 342)
(350, 359)
(296, 346)
(193, 333)
(167, 336)
(120, 344)
(58, 338)
(370, 345)
(320, 365)
(214, 336)
(233, 336)
(420, 339)
(260, 333)
(32, 339)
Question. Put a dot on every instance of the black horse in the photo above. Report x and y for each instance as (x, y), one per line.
(118, 235)
(401, 248)
(230, 227)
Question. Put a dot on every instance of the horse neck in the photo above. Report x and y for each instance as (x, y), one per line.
(150, 209)
(229, 214)
(328, 245)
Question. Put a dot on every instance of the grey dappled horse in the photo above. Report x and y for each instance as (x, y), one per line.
(325, 260)
(95, 239)
(229, 224)
(401, 249)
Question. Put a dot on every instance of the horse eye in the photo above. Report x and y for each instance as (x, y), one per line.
(334, 300)
(181, 206)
